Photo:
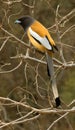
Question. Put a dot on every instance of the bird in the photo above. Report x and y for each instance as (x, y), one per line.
(41, 39)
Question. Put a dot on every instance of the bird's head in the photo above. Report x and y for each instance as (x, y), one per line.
(25, 22)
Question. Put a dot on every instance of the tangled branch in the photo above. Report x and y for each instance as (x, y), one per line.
(32, 105)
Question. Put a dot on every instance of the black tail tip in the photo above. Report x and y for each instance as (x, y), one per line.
(58, 102)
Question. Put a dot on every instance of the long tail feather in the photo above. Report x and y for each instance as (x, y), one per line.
(50, 70)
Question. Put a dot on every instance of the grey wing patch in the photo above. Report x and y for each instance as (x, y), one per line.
(42, 40)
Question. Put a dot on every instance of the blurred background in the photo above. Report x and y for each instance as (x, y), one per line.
(29, 81)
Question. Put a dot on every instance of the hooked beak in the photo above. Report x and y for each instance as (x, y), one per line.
(17, 22)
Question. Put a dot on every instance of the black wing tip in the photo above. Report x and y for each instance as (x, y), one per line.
(58, 102)
(55, 47)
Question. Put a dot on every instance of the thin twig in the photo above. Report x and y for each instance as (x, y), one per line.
(12, 35)
(9, 71)
(58, 35)
(3, 44)
(54, 122)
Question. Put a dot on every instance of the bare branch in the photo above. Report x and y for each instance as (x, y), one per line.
(33, 95)
(27, 5)
(10, 34)
(10, 102)
(58, 35)
(3, 44)
(11, 2)
(63, 19)
(69, 29)
(54, 122)
(9, 71)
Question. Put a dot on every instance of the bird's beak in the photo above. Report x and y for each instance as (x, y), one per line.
(17, 22)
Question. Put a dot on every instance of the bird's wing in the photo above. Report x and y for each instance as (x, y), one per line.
(42, 40)
(47, 40)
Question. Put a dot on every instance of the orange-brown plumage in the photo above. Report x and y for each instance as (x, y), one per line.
(42, 31)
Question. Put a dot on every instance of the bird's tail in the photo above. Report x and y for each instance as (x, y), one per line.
(50, 70)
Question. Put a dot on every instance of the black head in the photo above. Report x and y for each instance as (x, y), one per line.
(25, 22)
